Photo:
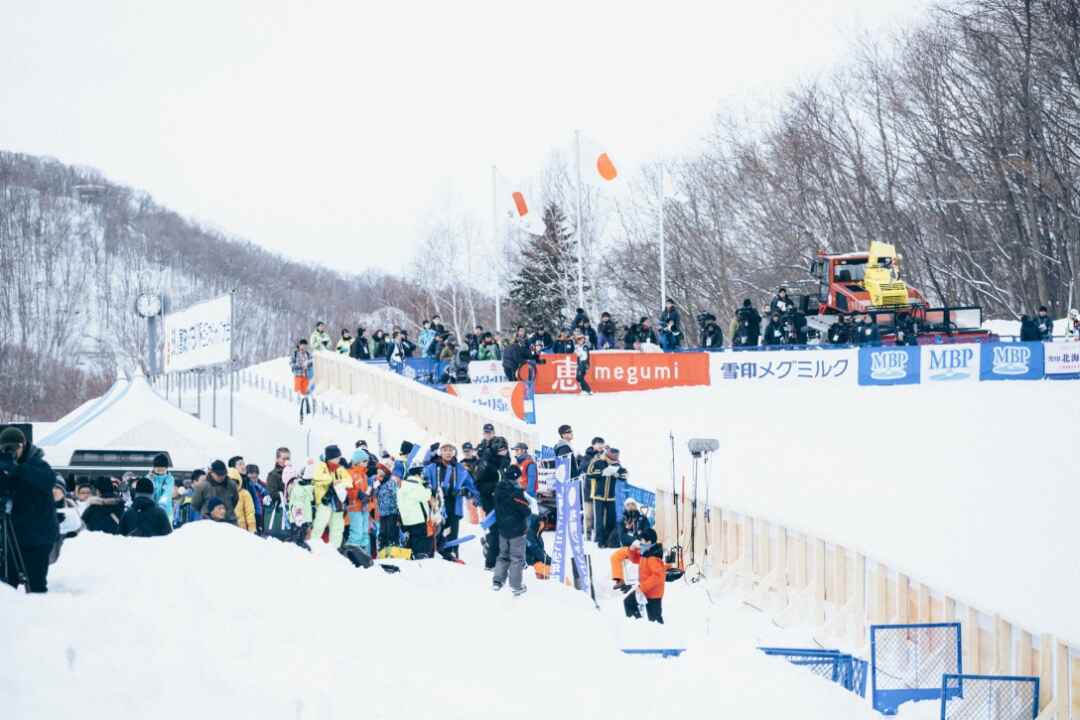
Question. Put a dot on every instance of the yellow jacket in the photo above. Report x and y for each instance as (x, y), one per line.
(324, 478)
(245, 504)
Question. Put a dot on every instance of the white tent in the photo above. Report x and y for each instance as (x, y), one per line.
(131, 416)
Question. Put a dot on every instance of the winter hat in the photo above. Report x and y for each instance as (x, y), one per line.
(521, 446)
(648, 535)
(406, 447)
(630, 503)
(12, 436)
(360, 457)
(103, 485)
(160, 460)
(214, 502)
(218, 468)
(61, 484)
(415, 470)
(332, 452)
(144, 486)
(309, 472)
(613, 452)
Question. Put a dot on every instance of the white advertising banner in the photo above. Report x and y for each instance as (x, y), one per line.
(199, 336)
(1062, 359)
(785, 366)
(482, 372)
(951, 363)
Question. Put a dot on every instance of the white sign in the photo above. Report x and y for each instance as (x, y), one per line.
(950, 363)
(1062, 358)
(506, 398)
(785, 366)
(486, 371)
(199, 336)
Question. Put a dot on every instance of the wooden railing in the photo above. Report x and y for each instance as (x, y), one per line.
(445, 416)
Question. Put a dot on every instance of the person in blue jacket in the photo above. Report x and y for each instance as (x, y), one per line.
(164, 483)
(445, 473)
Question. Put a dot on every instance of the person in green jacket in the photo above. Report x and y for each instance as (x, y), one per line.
(301, 502)
(489, 349)
(414, 498)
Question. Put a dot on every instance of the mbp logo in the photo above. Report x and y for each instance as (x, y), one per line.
(888, 365)
(951, 364)
(1012, 360)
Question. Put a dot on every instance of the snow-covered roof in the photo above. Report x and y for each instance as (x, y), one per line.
(131, 416)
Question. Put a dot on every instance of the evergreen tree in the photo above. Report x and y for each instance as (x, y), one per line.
(541, 290)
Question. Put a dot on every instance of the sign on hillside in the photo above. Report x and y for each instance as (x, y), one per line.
(199, 336)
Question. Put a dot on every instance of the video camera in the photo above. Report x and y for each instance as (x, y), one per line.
(8, 458)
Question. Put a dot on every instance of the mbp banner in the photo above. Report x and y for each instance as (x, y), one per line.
(1011, 361)
(619, 371)
(785, 366)
(1062, 360)
(889, 365)
(508, 398)
(569, 530)
(950, 363)
(199, 336)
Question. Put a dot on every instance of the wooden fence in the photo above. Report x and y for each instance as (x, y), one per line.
(798, 578)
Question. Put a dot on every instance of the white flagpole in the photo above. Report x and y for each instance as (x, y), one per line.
(580, 241)
(663, 254)
(498, 255)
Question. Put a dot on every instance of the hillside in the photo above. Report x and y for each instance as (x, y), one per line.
(76, 249)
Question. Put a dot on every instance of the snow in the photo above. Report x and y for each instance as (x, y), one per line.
(212, 621)
(970, 488)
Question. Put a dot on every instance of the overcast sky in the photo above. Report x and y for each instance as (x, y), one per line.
(325, 130)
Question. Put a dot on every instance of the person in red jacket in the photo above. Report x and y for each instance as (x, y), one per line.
(648, 554)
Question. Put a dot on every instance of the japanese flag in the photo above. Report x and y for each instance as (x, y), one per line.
(597, 165)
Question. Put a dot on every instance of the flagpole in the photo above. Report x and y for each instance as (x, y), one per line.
(495, 240)
(663, 255)
(580, 252)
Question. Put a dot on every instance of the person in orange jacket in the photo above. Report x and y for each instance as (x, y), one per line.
(356, 504)
(648, 554)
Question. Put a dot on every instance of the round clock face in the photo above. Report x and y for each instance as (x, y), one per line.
(148, 305)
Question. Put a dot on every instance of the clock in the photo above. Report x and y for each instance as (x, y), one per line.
(148, 305)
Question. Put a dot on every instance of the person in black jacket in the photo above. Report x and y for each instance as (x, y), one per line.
(360, 349)
(781, 304)
(580, 316)
(105, 510)
(1029, 329)
(1045, 324)
(867, 332)
(515, 355)
(28, 482)
(512, 511)
(145, 518)
(605, 332)
(907, 330)
(712, 337)
(747, 326)
(838, 332)
(671, 315)
(774, 331)
(492, 462)
(645, 332)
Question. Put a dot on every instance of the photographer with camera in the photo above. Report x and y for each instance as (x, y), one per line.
(28, 528)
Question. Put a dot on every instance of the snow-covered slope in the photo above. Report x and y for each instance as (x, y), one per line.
(968, 487)
(212, 622)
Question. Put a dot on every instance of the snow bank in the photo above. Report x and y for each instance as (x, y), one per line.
(214, 622)
(968, 487)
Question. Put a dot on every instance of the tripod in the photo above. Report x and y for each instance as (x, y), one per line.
(10, 554)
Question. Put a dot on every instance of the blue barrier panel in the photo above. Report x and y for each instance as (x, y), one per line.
(833, 665)
(1012, 361)
(989, 697)
(662, 652)
(889, 365)
(907, 662)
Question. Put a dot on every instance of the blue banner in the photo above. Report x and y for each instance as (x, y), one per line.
(889, 365)
(562, 515)
(1012, 361)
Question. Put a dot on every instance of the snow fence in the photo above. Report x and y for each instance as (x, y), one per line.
(798, 578)
(446, 416)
